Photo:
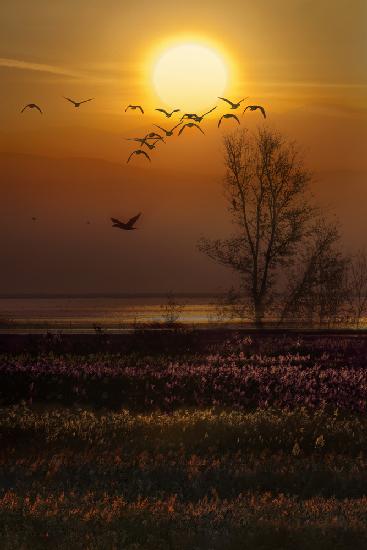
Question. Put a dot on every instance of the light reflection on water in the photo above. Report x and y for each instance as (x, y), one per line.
(108, 312)
(115, 314)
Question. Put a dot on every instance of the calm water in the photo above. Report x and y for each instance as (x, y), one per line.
(84, 313)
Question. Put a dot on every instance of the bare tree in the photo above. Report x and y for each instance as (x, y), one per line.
(357, 282)
(317, 288)
(266, 186)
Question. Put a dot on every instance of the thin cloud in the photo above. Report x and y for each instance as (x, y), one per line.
(93, 75)
(40, 67)
(309, 84)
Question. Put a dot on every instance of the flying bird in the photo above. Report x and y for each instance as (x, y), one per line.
(190, 125)
(168, 115)
(192, 116)
(78, 103)
(233, 105)
(168, 132)
(133, 107)
(254, 107)
(138, 152)
(150, 145)
(128, 226)
(32, 106)
(200, 118)
(227, 116)
(142, 141)
(154, 135)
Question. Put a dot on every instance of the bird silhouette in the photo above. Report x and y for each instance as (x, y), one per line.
(192, 116)
(168, 132)
(139, 152)
(150, 145)
(78, 103)
(227, 116)
(32, 106)
(200, 118)
(233, 105)
(142, 141)
(128, 226)
(133, 107)
(168, 115)
(154, 135)
(190, 125)
(254, 107)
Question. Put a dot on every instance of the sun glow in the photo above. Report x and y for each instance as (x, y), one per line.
(190, 76)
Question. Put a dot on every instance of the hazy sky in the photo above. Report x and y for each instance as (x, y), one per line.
(305, 61)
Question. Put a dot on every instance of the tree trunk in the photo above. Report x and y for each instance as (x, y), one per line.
(259, 313)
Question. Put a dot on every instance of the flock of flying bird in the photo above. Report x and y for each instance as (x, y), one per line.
(151, 139)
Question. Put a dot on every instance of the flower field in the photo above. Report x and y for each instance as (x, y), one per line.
(254, 442)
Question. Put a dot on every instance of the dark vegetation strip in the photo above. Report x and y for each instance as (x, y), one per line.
(187, 432)
(265, 522)
(178, 340)
(188, 453)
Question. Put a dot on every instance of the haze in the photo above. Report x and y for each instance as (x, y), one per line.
(305, 61)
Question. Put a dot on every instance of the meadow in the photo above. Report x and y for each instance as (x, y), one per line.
(184, 441)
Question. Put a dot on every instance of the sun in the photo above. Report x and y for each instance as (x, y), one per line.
(190, 76)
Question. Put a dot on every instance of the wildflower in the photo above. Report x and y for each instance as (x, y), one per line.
(320, 442)
(296, 451)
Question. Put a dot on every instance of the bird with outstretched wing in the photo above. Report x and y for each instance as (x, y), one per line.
(190, 116)
(231, 103)
(128, 226)
(32, 106)
(142, 141)
(168, 114)
(78, 103)
(254, 107)
(227, 116)
(200, 118)
(134, 107)
(154, 135)
(139, 152)
(168, 132)
(190, 125)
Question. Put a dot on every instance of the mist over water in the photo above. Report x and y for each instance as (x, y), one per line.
(109, 312)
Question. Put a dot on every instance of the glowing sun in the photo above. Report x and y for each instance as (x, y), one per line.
(190, 76)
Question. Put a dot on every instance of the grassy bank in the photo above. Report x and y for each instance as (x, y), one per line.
(192, 479)
(139, 457)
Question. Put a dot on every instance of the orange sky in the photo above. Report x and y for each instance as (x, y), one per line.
(305, 61)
